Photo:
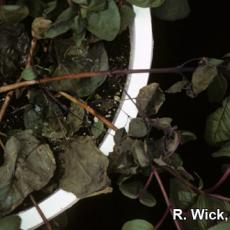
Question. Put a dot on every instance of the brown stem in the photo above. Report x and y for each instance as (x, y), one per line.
(24, 84)
(48, 225)
(31, 52)
(86, 107)
(5, 104)
(219, 197)
(164, 193)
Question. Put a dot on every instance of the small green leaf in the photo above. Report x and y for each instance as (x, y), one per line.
(186, 136)
(10, 223)
(147, 3)
(221, 226)
(28, 74)
(62, 24)
(13, 13)
(150, 99)
(147, 199)
(105, 24)
(224, 151)
(177, 87)
(217, 89)
(137, 224)
(131, 189)
(127, 16)
(80, 2)
(172, 10)
(137, 128)
(218, 124)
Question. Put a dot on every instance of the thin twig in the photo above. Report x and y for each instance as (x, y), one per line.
(33, 45)
(164, 193)
(25, 84)
(220, 181)
(162, 219)
(86, 107)
(219, 197)
(2, 145)
(48, 225)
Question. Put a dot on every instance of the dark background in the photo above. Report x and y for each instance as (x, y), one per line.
(204, 33)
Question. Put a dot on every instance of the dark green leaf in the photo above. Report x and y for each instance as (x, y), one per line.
(150, 99)
(13, 13)
(96, 5)
(137, 224)
(62, 24)
(137, 128)
(224, 151)
(85, 2)
(204, 75)
(28, 74)
(105, 24)
(10, 223)
(161, 123)
(218, 124)
(35, 7)
(186, 136)
(217, 89)
(147, 3)
(28, 166)
(177, 87)
(221, 226)
(85, 168)
(172, 10)
(127, 16)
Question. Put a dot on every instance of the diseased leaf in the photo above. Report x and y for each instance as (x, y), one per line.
(85, 168)
(105, 24)
(74, 119)
(28, 167)
(177, 87)
(186, 136)
(147, 3)
(127, 16)
(150, 99)
(13, 13)
(172, 10)
(28, 74)
(137, 224)
(224, 151)
(217, 89)
(10, 223)
(218, 125)
(204, 75)
(137, 128)
(96, 59)
(39, 27)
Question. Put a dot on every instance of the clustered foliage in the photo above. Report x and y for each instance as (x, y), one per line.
(143, 149)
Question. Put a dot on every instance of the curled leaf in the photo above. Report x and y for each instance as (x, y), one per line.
(39, 27)
(150, 99)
